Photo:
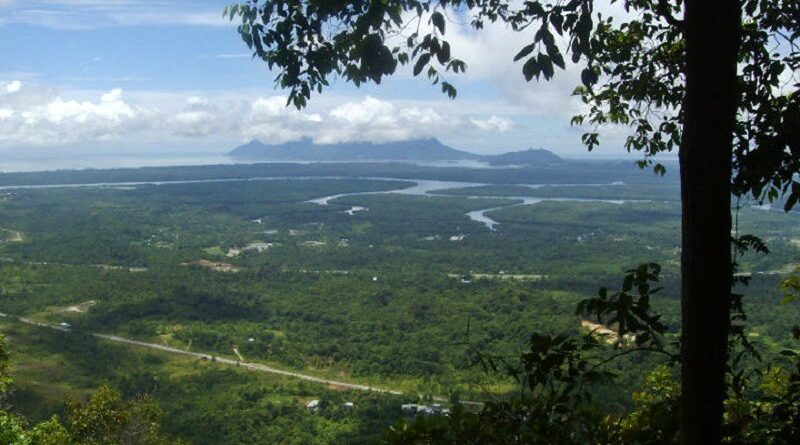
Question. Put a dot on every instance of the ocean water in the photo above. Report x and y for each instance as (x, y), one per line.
(12, 163)
(36, 163)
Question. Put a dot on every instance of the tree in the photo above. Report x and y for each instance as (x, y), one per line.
(105, 419)
(704, 77)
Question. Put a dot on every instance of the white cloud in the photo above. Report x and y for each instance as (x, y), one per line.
(91, 14)
(376, 120)
(489, 55)
(230, 56)
(35, 115)
(199, 117)
(369, 119)
(494, 124)
(33, 118)
(12, 87)
(170, 17)
(270, 120)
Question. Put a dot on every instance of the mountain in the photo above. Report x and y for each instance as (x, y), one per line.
(526, 157)
(410, 150)
(307, 150)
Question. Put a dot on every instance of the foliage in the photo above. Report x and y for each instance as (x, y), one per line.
(633, 64)
(654, 419)
(5, 365)
(781, 419)
(630, 313)
(405, 330)
(638, 73)
(105, 419)
(15, 430)
(791, 289)
(553, 406)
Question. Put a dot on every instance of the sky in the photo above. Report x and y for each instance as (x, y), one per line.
(157, 76)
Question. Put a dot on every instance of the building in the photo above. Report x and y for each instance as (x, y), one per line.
(313, 405)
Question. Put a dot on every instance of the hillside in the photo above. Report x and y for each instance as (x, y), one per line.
(410, 150)
(526, 157)
(306, 150)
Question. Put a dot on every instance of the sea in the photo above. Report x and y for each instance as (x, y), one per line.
(40, 162)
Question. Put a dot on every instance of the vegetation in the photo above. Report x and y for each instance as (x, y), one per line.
(383, 297)
(103, 419)
(719, 98)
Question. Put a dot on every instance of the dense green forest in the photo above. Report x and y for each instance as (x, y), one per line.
(583, 172)
(393, 290)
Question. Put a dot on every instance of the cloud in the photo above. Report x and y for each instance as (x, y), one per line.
(35, 115)
(368, 119)
(489, 55)
(270, 120)
(375, 120)
(231, 56)
(33, 118)
(494, 124)
(12, 87)
(168, 17)
(199, 117)
(91, 14)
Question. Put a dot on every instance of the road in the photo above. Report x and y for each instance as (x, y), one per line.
(223, 360)
(246, 365)
(226, 361)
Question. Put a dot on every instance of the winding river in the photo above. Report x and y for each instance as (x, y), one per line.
(418, 187)
(426, 187)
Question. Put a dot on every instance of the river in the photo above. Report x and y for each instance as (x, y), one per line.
(419, 187)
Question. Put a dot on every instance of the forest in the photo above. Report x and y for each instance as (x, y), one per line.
(377, 287)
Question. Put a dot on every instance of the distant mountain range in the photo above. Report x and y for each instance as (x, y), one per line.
(410, 150)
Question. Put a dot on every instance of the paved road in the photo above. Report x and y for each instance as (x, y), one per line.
(251, 366)
(246, 365)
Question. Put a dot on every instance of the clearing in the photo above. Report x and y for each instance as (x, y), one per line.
(214, 265)
(80, 308)
(16, 236)
(501, 276)
(602, 332)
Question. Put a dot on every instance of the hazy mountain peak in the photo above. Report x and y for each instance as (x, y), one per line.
(428, 149)
(423, 149)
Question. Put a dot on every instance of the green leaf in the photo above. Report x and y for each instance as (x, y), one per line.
(531, 68)
(421, 62)
(558, 59)
(449, 90)
(588, 77)
(524, 52)
(444, 53)
(791, 201)
(438, 21)
(547, 66)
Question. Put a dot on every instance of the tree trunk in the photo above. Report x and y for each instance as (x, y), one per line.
(712, 43)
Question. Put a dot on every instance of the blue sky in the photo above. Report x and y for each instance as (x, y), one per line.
(129, 75)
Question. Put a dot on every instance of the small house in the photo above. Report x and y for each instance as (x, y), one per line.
(313, 405)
